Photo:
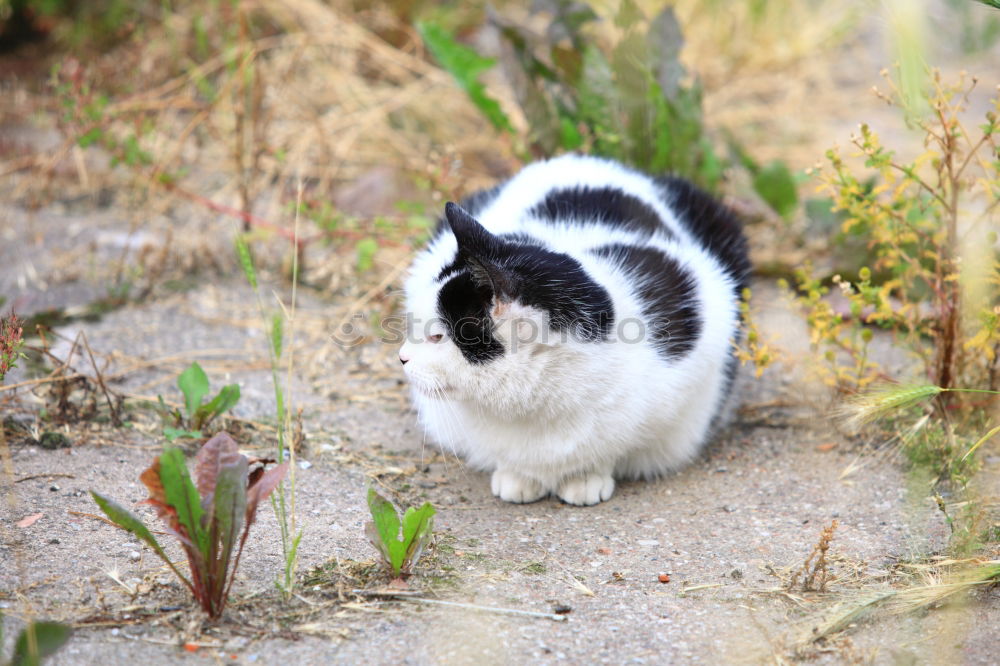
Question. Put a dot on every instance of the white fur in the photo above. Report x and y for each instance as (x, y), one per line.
(560, 415)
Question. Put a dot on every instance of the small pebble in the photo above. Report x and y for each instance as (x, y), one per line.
(134, 555)
(664, 578)
(305, 464)
(648, 542)
(54, 487)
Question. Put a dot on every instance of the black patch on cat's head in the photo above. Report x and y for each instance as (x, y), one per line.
(667, 292)
(608, 206)
(490, 270)
(465, 306)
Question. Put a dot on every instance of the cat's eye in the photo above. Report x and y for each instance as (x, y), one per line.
(437, 337)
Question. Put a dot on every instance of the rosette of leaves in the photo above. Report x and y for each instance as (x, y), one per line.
(193, 383)
(210, 516)
(400, 552)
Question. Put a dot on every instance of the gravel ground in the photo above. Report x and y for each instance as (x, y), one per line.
(727, 531)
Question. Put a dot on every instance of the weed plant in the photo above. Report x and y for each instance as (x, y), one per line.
(399, 542)
(11, 341)
(632, 101)
(210, 517)
(285, 510)
(198, 414)
(930, 229)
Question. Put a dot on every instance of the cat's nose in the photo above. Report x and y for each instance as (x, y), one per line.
(403, 358)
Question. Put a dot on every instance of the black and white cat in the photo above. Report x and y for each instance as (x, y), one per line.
(576, 324)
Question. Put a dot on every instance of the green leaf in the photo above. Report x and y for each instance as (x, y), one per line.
(229, 504)
(569, 136)
(776, 185)
(193, 383)
(38, 641)
(176, 433)
(366, 249)
(127, 520)
(220, 404)
(465, 65)
(183, 497)
(995, 4)
(417, 527)
(384, 530)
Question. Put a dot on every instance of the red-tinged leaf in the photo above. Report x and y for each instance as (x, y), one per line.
(151, 479)
(264, 486)
(158, 500)
(262, 489)
(182, 496)
(228, 514)
(258, 471)
(216, 452)
(28, 521)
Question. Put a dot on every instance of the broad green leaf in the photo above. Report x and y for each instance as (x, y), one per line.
(465, 65)
(417, 527)
(386, 528)
(193, 383)
(182, 495)
(47, 638)
(127, 520)
(176, 433)
(569, 136)
(220, 404)
(776, 186)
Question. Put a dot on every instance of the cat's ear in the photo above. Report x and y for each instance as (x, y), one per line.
(481, 251)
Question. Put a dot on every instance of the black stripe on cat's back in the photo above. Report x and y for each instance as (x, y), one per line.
(609, 206)
(713, 224)
(667, 292)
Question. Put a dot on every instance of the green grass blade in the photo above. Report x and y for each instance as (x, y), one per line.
(127, 520)
(38, 641)
(277, 334)
(246, 261)
(193, 383)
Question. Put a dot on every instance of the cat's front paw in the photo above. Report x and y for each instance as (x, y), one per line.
(511, 487)
(586, 489)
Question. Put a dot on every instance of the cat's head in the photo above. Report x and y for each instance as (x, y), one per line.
(499, 318)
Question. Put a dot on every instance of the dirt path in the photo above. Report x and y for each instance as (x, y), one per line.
(729, 530)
